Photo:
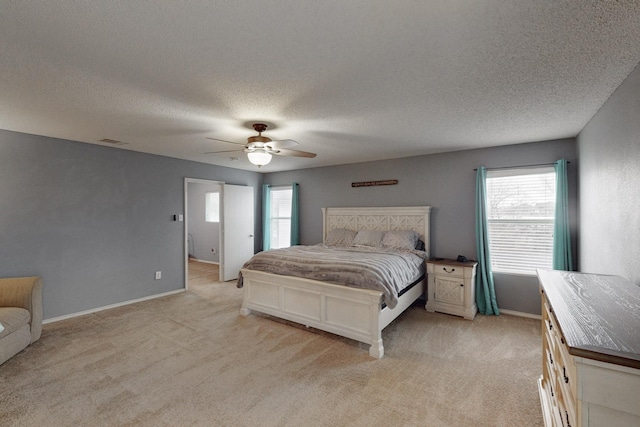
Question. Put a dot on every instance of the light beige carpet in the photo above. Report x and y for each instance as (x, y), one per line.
(191, 359)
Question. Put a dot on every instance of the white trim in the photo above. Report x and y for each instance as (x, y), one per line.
(204, 261)
(107, 307)
(520, 314)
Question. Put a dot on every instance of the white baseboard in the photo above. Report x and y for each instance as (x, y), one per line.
(521, 314)
(107, 307)
(204, 261)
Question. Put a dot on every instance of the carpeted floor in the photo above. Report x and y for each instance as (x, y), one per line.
(191, 359)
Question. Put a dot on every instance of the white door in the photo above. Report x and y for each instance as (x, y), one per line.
(237, 229)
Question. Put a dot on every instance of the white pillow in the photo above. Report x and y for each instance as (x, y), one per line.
(340, 237)
(401, 239)
(368, 238)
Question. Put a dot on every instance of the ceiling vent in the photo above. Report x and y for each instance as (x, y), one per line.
(112, 141)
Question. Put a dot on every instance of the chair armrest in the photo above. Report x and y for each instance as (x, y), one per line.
(24, 292)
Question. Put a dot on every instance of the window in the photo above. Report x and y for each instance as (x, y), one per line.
(520, 217)
(280, 217)
(212, 207)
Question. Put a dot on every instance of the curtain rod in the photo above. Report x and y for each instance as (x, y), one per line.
(521, 166)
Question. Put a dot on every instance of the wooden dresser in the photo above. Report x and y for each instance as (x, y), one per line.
(590, 350)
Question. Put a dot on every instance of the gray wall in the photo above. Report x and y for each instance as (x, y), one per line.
(95, 222)
(609, 150)
(203, 236)
(446, 182)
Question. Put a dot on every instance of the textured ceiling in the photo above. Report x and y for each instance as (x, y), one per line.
(349, 80)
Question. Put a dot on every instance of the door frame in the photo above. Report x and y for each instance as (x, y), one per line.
(187, 181)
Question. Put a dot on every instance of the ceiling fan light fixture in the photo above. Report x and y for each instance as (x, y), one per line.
(259, 157)
(259, 148)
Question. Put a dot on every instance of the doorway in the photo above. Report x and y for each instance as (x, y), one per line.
(203, 233)
(219, 226)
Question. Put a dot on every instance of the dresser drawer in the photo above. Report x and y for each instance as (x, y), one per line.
(550, 370)
(564, 364)
(564, 414)
(560, 369)
(550, 334)
(566, 370)
(566, 408)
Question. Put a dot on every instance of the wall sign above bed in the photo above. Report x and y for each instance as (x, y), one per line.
(374, 183)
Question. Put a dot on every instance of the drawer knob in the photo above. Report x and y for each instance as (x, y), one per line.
(564, 374)
(447, 271)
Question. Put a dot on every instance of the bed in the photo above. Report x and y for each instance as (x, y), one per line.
(352, 312)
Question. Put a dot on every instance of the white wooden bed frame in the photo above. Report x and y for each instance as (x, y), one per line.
(349, 312)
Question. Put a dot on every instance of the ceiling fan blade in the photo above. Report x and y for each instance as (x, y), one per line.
(293, 153)
(283, 143)
(225, 151)
(224, 140)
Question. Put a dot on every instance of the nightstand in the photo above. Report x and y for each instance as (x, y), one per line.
(451, 287)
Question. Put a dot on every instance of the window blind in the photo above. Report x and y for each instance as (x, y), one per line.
(212, 207)
(280, 217)
(520, 217)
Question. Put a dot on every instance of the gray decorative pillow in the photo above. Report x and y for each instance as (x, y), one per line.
(340, 237)
(369, 238)
(400, 239)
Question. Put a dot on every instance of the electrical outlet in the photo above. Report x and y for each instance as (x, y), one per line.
(214, 250)
(158, 275)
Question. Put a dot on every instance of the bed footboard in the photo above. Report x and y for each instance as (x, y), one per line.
(349, 312)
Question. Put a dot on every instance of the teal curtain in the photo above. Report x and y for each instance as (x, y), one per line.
(295, 215)
(266, 214)
(561, 234)
(485, 289)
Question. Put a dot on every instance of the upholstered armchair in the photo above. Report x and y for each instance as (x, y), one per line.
(20, 314)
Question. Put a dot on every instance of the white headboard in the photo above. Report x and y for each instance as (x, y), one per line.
(382, 218)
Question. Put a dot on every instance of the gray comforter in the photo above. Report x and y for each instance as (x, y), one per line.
(382, 269)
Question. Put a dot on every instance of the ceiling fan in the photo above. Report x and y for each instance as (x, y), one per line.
(260, 148)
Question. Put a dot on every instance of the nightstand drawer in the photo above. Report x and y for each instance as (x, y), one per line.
(449, 270)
